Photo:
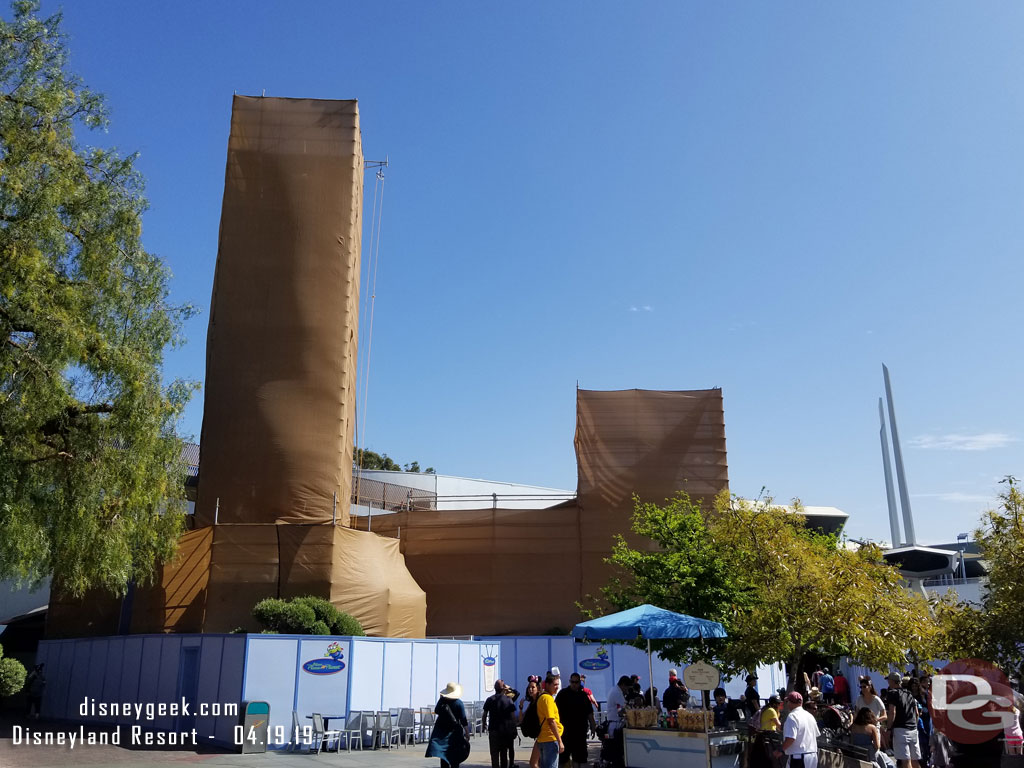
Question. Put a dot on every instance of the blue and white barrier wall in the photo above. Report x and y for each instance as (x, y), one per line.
(605, 664)
(171, 686)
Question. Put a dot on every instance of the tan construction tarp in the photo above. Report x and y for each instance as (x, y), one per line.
(222, 571)
(281, 346)
(278, 420)
(514, 571)
(645, 442)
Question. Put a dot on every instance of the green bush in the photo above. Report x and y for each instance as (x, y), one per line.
(12, 675)
(305, 616)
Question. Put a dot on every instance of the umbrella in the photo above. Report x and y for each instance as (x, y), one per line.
(647, 622)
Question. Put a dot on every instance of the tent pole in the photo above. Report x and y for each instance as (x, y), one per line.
(650, 670)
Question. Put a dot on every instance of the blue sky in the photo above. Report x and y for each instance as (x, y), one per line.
(770, 198)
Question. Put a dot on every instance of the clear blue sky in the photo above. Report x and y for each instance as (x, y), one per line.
(770, 198)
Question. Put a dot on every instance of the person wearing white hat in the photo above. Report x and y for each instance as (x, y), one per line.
(449, 740)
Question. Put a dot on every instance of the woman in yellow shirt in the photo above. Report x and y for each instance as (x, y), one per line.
(770, 715)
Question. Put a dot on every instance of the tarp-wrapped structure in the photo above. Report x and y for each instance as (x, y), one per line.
(275, 473)
(515, 571)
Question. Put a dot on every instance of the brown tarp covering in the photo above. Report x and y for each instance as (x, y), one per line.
(513, 571)
(222, 571)
(644, 442)
(281, 346)
(280, 397)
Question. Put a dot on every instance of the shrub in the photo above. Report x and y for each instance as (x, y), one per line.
(305, 616)
(12, 675)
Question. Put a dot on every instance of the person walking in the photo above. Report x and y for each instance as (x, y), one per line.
(549, 744)
(499, 720)
(577, 717)
(799, 734)
(449, 739)
(902, 715)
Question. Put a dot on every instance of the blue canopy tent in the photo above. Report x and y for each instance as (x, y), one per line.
(648, 622)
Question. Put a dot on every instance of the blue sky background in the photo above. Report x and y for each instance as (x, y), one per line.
(770, 198)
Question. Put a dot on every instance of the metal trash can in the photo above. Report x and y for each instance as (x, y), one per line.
(251, 731)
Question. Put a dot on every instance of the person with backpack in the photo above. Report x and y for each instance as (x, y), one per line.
(449, 740)
(529, 724)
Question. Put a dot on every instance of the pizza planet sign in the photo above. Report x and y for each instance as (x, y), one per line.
(701, 676)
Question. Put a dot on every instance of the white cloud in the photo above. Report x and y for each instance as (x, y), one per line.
(954, 496)
(644, 308)
(986, 441)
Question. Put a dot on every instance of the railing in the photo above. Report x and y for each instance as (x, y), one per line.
(389, 496)
(950, 581)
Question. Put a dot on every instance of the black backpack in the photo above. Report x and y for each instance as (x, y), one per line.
(531, 723)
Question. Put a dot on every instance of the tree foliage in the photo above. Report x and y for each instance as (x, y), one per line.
(305, 616)
(684, 571)
(365, 459)
(994, 632)
(782, 590)
(12, 675)
(91, 482)
(814, 595)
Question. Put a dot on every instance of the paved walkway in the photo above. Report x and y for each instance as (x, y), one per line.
(53, 756)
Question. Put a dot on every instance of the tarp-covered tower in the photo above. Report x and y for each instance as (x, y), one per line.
(276, 463)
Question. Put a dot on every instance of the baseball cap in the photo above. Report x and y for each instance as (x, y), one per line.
(794, 698)
(672, 673)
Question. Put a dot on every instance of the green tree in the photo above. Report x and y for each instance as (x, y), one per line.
(995, 631)
(91, 481)
(684, 571)
(814, 595)
(12, 675)
(781, 590)
(365, 459)
(306, 615)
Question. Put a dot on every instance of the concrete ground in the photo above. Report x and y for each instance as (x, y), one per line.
(53, 756)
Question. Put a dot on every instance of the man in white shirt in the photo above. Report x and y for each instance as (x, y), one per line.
(617, 704)
(799, 734)
(614, 751)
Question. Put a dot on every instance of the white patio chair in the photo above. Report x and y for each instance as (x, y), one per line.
(406, 725)
(352, 733)
(384, 731)
(322, 736)
(426, 724)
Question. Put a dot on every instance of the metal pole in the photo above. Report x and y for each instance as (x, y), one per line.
(901, 475)
(216, 511)
(494, 501)
(650, 670)
(890, 495)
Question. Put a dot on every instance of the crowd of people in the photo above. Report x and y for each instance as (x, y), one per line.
(893, 727)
